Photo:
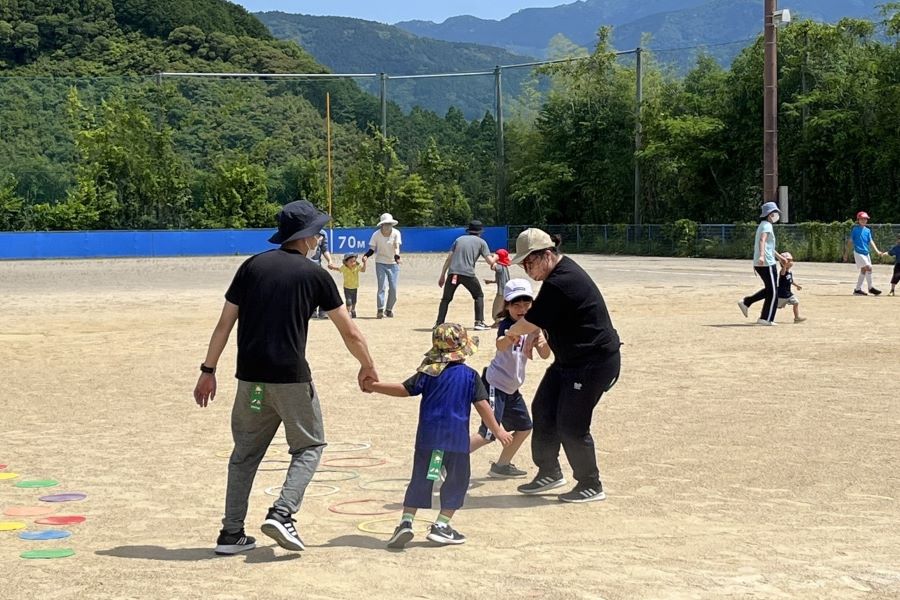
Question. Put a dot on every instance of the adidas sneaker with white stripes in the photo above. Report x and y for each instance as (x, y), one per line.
(584, 493)
(542, 483)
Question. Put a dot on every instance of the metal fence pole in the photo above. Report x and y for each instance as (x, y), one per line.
(639, 100)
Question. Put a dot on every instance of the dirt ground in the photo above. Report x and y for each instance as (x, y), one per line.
(740, 461)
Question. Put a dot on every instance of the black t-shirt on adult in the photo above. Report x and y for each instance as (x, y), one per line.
(572, 311)
(276, 293)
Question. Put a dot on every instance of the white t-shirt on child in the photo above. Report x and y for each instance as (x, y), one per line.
(386, 247)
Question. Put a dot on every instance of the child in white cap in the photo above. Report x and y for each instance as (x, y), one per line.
(506, 374)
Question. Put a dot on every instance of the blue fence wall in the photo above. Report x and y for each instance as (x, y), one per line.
(216, 242)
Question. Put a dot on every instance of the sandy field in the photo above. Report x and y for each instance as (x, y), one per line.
(740, 461)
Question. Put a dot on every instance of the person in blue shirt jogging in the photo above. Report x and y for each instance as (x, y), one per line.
(895, 278)
(860, 240)
(449, 388)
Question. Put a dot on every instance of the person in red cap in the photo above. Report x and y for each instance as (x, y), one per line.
(860, 240)
(502, 269)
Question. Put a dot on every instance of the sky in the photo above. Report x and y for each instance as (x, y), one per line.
(392, 11)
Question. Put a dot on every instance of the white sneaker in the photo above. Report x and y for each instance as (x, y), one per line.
(744, 308)
(767, 323)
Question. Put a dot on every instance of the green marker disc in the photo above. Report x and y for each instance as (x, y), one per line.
(55, 553)
(37, 483)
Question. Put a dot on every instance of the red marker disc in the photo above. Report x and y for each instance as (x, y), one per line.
(60, 520)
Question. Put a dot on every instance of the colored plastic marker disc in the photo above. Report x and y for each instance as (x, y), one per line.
(2, 467)
(56, 553)
(11, 525)
(8, 476)
(46, 534)
(28, 511)
(66, 497)
(37, 483)
(61, 520)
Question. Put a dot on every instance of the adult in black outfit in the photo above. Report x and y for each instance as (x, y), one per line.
(570, 308)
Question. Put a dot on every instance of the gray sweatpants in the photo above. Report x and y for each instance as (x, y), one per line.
(297, 406)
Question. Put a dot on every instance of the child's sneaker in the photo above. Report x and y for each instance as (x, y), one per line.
(481, 326)
(584, 493)
(506, 471)
(280, 527)
(874, 291)
(858, 292)
(543, 482)
(444, 534)
(232, 543)
(799, 319)
(402, 535)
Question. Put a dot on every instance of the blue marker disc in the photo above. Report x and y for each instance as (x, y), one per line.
(45, 534)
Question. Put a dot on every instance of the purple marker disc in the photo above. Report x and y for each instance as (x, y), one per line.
(67, 497)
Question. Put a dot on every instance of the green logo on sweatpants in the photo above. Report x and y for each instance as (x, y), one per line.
(256, 396)
(434, 467)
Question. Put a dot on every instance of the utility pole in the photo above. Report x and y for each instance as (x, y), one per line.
(638, 130)
(384, 105)
(501, 148)
(770, 105)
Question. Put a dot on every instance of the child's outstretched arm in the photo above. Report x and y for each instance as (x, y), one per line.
(362, 268)
(388, 389)
(487, 415)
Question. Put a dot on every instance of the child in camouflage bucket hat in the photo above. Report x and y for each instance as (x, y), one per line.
(448, 388)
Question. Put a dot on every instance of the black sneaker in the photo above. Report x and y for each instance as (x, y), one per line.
(506, 471)
(232, 543)
(402, 535)
(859, 293)
(875, 292)
(352, 314)
(542, 483)
(380, 314)
(481, 326)
(584, 493)
(389, 314)
(280, 527)
(444, 534)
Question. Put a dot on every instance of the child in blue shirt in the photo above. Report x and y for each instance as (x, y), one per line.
(448, 388)
(860, 240)
(785, 284)
(895, 252)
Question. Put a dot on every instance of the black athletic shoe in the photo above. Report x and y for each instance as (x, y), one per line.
(402, 535)
(874, 292)
(859, 293)
(444, 534)
(542, 483)
(584, 493)
(280, 527)
(232, 543)
(506, 471)
(380, 314)
(352, 314)
(389, 314)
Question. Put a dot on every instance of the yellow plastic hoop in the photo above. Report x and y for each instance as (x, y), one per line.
(366, 526)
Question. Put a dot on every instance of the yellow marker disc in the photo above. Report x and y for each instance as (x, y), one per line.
(11, 525)
(8, 476)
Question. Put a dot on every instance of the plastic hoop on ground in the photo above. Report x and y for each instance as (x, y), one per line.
(56, 553)
(36, 483)
(347, 446)
(28, 511)
(11, 525)
(4, 476)
(46, 534)
(331, 489)
(366, 526)
(223, 454)
(367, 485)
(61, 520)
(328, 462)
(334, 508)
(64, 497)
(348, 475)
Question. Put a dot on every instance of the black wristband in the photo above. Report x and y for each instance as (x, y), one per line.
(205, 369)
(396, 258)
(369, 253)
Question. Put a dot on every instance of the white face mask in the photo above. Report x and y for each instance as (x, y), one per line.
(311, 251)
(774, 217)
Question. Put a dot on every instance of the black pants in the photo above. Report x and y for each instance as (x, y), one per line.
(470, 283)
(769, 293)
(562, 412)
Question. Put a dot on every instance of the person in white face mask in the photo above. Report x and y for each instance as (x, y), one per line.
(765, 263)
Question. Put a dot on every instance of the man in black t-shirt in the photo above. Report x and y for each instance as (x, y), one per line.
(272, 298)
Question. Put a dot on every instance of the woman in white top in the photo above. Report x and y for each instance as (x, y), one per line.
(385, 245)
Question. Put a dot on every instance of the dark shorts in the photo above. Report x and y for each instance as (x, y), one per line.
(509, 410)
(896, 278)
(350, 295)
(453, 489)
